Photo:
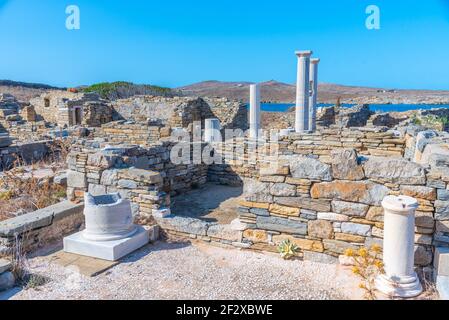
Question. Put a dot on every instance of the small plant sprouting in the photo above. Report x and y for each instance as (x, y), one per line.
(287, 249)
(367, 266)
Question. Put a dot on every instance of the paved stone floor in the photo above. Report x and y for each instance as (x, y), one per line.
(211, 203)
(185, 270)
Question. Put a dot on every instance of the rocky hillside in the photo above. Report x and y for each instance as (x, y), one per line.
(24, 91)
(124, 90)
(273, 91)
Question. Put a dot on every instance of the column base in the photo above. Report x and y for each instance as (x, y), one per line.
(106, 250)
(407, 287)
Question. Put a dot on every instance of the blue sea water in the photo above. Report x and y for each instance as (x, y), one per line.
(283, 107)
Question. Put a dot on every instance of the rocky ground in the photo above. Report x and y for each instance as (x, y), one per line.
(194, 271)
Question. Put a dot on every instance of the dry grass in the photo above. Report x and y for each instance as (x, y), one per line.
(24, 192)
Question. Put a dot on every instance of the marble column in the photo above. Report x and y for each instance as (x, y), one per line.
(254, 111)
(212, 129)
(313, 93)
(302, 91)
(400, 279)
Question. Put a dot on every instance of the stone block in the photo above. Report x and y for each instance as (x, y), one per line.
(349, 208)
(106, 250)
(76, 179)
(442, 210)
(443, 195)
(394, 170)
(320, 229)
(349, 238)
(7, 281)
(356, 228)
(304, 203)
(345, 165)
(357, 191)
(441, 262)
(285, 211)
(420, 192)
(283, 190)
(375, 214)
(5, 265)
(281, 225)
(336, 246)
(308, 168)
(256, 235)
(332, 216)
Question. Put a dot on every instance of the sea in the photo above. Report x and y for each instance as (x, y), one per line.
(283, 107)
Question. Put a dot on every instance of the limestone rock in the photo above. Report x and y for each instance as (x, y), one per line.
(420, 192)
(286, 211)
(331, 216)
(309, 168)
(394, 170)
(349, 238)
(375, 214)
(256, 235)
(321, 229)
(423, 256)
(282, 225)
(283, 190)
(358, 191)
(356, 228)
(336, 246)
(304, 203)
(345, 165)
(349, 208)
(7, 281)
(256, 191)
(76, 179)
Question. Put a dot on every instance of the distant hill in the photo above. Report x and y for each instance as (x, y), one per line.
(24, 91)
(123, 90)
(274, 91)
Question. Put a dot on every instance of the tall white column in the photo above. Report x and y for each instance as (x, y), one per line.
(302, 91)
(400, 279)
(212, 129)
(313, 93)
(254, 111)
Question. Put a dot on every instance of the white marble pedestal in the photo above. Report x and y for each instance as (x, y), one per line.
(107, 250)
(400, 279)
(110, 233)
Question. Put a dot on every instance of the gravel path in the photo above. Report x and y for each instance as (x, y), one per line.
(194, 271)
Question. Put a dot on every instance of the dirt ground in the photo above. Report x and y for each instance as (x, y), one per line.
(185, 270)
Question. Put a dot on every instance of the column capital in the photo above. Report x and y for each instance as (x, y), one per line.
(306, 53)
(315, 60)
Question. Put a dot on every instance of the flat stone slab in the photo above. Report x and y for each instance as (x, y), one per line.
(88, 266)
(38, 219)
(5, 265)
(106, 250)
(443, 287)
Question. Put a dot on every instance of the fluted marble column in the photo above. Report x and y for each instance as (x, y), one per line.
(254, 111)
(302, 91)
(313, 93)
(400, 279)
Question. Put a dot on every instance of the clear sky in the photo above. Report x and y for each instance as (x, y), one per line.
(178, 42)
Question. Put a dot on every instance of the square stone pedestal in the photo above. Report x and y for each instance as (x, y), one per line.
(107, 250)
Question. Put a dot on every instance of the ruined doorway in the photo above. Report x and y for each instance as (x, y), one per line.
(77, 116)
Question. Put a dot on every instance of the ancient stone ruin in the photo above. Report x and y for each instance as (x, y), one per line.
(325, 184)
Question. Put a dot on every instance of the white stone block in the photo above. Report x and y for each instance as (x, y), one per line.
(106, 250)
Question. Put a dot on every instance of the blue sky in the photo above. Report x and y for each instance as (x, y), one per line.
(173, 43)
